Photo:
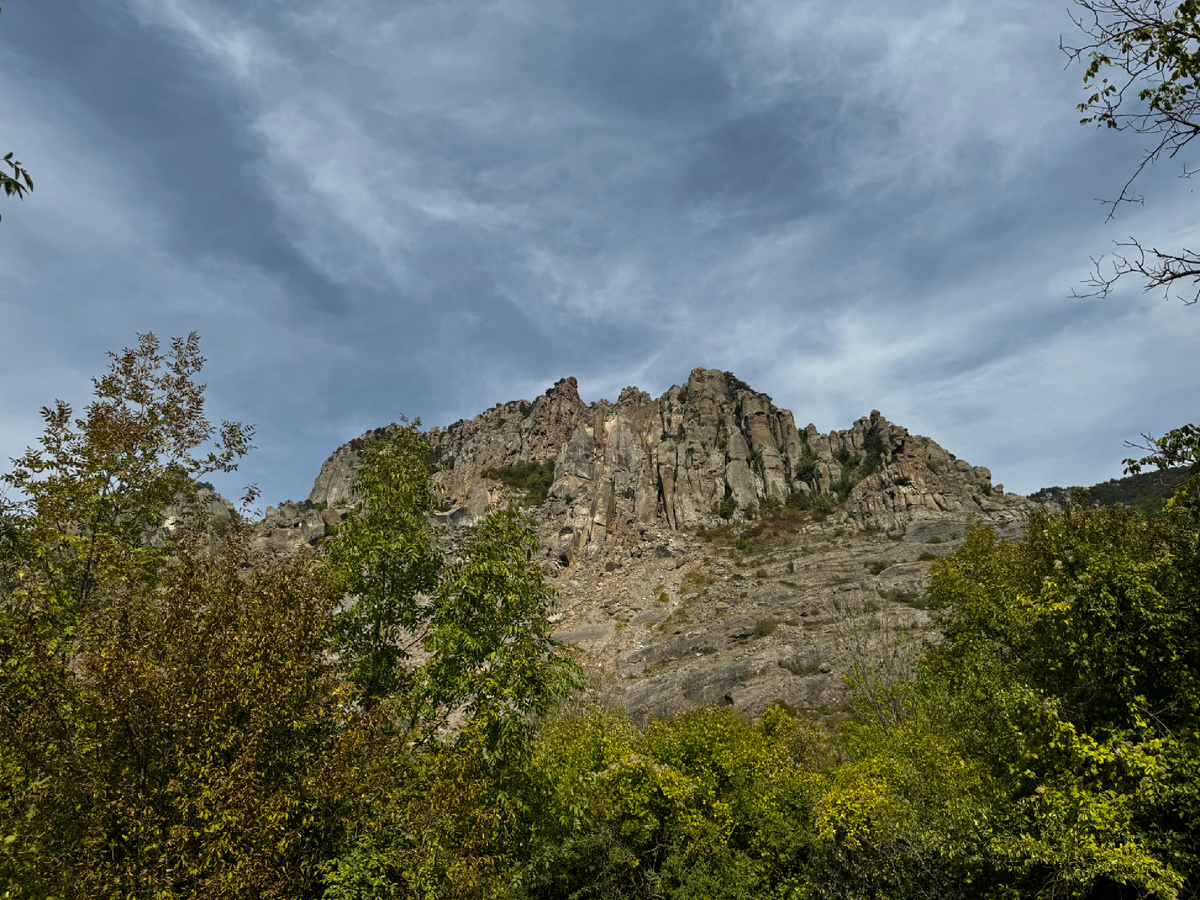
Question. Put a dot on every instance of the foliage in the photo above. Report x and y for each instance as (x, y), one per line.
(1142, 69)
(160, 712)
(704, 805)
(1072, 673)
(171, 752)
(806, 467)
(1147, 491)
(1180, 448)
(388, 556)
(18, 183)
(535, 477)
(733, 384)
(724, 508)
(97, 484)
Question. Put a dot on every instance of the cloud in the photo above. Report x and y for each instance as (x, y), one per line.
(370, 208)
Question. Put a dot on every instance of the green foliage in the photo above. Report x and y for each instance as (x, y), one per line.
(18, 183)
(704, 805)
(1071, 672)
(1179, 447)
(388, 556)
(97, 484)
(192, 721)
(1148, 491)
(724, 508)
(733, 384)
(806, 467)
(535, 477)
(171, 751)
(765, 628)
(1142, 69)
(493, 662)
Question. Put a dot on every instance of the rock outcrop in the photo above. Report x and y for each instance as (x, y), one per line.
(709, 449)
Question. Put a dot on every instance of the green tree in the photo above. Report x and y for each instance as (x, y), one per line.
(176, 751)
(1178, 447)
(705, 805)
(450, 663)
(97, 484)
(1071, 672)
(163, 715)
(387, 556)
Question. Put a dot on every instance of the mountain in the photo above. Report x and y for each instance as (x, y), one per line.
(706, 549)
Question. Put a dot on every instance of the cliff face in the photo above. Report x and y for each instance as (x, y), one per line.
(663, 616)
(713, 446)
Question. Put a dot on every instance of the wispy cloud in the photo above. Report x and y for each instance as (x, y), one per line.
(371, 209)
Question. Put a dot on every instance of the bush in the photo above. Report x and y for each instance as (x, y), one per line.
(765, 628)
(532, 476)
(725, 508)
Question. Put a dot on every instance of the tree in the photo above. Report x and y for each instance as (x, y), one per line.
(179, 749)
(449, 663)
(164, 717)
(388, 557)
(1178, 447)
(1143, 72)
(1070, 670)
(97, 484)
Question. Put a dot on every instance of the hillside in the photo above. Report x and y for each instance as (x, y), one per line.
(1148, 491)
(704, 547)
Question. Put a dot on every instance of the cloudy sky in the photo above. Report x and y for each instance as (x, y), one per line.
(370, 208)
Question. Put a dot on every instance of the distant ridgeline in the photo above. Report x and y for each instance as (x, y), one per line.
(1148, 491)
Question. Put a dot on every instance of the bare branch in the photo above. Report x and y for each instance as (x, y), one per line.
(1177, 274)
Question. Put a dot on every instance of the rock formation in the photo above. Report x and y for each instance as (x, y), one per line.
(713, 447)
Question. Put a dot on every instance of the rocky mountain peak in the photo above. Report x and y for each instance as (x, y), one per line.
(709, 450)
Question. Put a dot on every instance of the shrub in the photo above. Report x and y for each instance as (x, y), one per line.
(765, 627)
(725, 508)
(532, 476)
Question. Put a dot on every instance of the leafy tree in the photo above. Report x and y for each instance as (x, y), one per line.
(703, 805)
(1072, 673)
(175, 752)
(97, 484)
(1142, 69)
(163, 716)
(1178, 447)
(450, 663)
(388, 557)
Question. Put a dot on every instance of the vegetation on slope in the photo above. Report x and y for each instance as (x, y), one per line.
(1147, 491)
(534, 477)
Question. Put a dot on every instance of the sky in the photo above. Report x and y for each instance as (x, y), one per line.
(371, 209)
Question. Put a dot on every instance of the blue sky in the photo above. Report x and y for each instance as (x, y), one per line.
(369, 209)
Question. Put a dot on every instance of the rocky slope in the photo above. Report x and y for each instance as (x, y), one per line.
(707, 549)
